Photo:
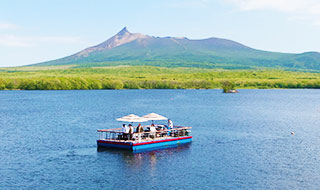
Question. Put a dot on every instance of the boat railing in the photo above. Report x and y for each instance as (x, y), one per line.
(116, 134)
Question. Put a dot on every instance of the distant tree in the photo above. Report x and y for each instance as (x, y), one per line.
(227, 86)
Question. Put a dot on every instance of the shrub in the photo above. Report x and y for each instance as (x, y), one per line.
(227, 85)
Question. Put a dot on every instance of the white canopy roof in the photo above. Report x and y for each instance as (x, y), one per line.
(154, 116)
(132, 118)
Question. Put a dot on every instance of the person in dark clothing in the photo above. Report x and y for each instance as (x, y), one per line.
(130, 132)
(139, 128)
(139, 131)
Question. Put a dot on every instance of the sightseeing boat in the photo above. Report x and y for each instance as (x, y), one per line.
(161, 136)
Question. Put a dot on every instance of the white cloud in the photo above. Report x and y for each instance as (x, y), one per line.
(309, 10)
(8, 26)
(10, 40)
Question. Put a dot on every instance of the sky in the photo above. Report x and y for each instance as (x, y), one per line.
(34, 31)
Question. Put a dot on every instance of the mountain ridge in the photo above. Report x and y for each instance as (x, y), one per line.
(140, 49)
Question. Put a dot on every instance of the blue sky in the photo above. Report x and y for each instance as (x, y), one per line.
(40, 30)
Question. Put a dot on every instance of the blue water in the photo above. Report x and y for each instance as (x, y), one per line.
(241, 141)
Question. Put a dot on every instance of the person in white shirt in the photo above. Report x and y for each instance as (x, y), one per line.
(124, 131)
(153, 130)
(170, 126)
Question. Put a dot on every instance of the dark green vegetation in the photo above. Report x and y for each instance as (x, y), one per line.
(148, 77)
(133, 49)
(227, 86)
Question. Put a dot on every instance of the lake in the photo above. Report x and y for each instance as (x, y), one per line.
(240, 141)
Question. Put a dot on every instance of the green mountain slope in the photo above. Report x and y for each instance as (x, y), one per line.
(127, 48)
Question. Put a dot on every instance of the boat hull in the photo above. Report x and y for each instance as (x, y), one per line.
(136, 146)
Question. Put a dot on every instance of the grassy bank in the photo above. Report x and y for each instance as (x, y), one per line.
(148, 77)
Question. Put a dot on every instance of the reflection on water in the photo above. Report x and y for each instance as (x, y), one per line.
(149, 158)
(143, 167)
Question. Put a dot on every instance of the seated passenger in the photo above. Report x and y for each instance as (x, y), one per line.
(153, 130)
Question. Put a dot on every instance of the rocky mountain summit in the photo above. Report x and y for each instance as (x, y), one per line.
(122, 37)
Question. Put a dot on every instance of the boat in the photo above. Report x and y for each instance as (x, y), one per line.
(159, 138)
(232, 91)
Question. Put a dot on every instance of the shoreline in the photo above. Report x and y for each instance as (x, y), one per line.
(160, 89)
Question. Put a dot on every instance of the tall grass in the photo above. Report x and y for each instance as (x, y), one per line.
(148, 77)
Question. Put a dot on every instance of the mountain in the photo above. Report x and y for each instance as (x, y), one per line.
(127, 48)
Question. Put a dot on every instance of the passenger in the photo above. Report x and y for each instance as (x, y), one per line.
(130, 132)
(139, 128)
(153, 131)
(124, 132)
(170, 126)
(139, 131)
(152, 128)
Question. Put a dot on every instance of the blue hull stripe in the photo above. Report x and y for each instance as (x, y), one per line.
(146, 146)
(162, 144)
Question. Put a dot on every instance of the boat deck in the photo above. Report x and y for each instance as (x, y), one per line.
(114, 138)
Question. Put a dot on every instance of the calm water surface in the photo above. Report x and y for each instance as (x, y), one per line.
(241, 141)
